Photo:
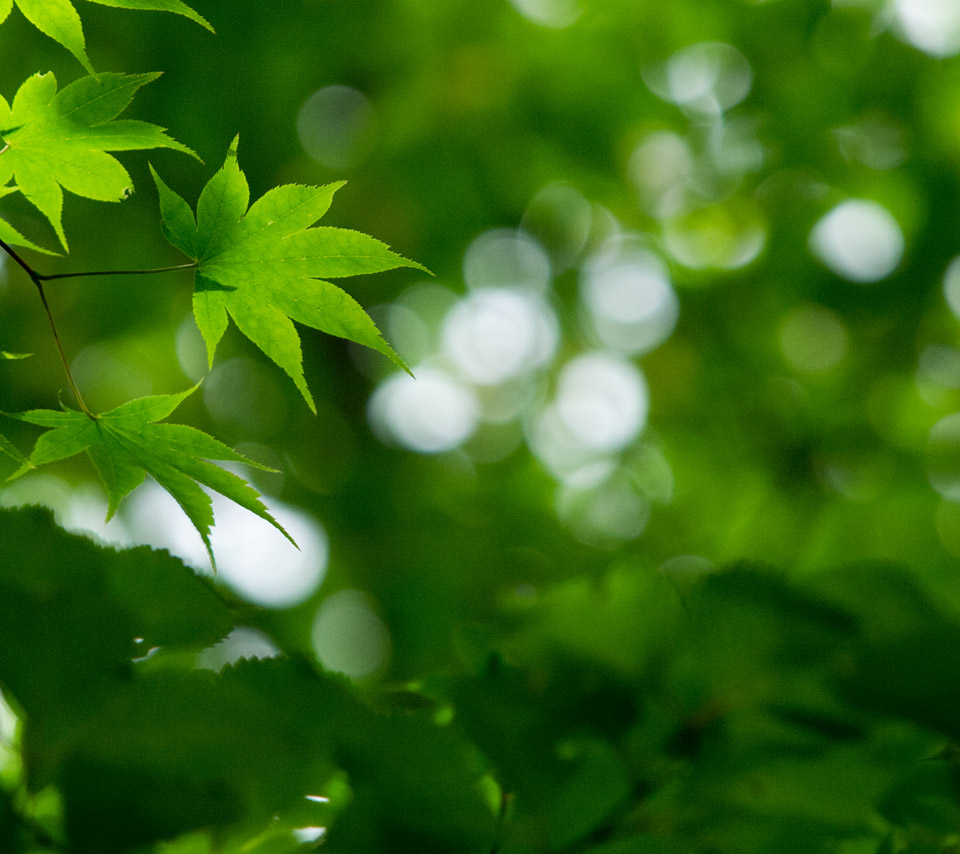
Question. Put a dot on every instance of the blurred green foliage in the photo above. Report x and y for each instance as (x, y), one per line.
(694, 590)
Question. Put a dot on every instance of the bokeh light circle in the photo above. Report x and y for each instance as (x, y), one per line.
(858, 240)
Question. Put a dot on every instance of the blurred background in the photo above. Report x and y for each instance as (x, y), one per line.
(695, 298)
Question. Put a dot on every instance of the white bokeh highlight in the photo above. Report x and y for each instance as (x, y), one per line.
(933, 26)
(858, 240)
(348, 636)
(497, 334)
(630, 302)
(506, 257)
(253, 557)
(430, 414)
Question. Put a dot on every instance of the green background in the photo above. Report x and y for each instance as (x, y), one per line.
(632, 698)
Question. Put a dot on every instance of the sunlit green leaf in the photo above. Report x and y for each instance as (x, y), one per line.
(263, 266)
(125, 444)
(59, 19)
(59, 140)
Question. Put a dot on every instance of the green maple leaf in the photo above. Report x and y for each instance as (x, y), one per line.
(8, 234)
(59, 19)
(125, 444)
(51, 140)
(265, 266)
(9, 450)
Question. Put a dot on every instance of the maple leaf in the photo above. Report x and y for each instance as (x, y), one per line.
(263, 266)
(51, 140)
(59, 19)
(9, 450)
(125, 444)
(8, 234)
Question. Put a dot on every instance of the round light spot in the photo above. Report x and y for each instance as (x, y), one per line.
(602, 401)
(943, 457)
(724, 236)
(336, 126)
(348, 636)
(497, 334)
(661, 168)
(631, 305)
(241, 394)
(555, 14)
(707, 77)
(609, 513)
(429, 414)
(951, 286)
(9, 742)
(253, 557)
(109, 373)
(560, 218)
(931, 25)
(858, 240)
(812, 338)
(191, 350)
(506, 258)
(940, 365)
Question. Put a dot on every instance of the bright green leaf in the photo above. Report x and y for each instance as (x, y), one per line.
(264, 266)
(175, 6)
(59, 19)
(126, 443)
(58, 140)
(9, 450)
(5, 355)
(8, 234)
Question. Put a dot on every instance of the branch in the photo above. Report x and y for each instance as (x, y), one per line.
(39, 278)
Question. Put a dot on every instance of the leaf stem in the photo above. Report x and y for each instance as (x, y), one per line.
(39, 278)
(52, 276)
(38, 281)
